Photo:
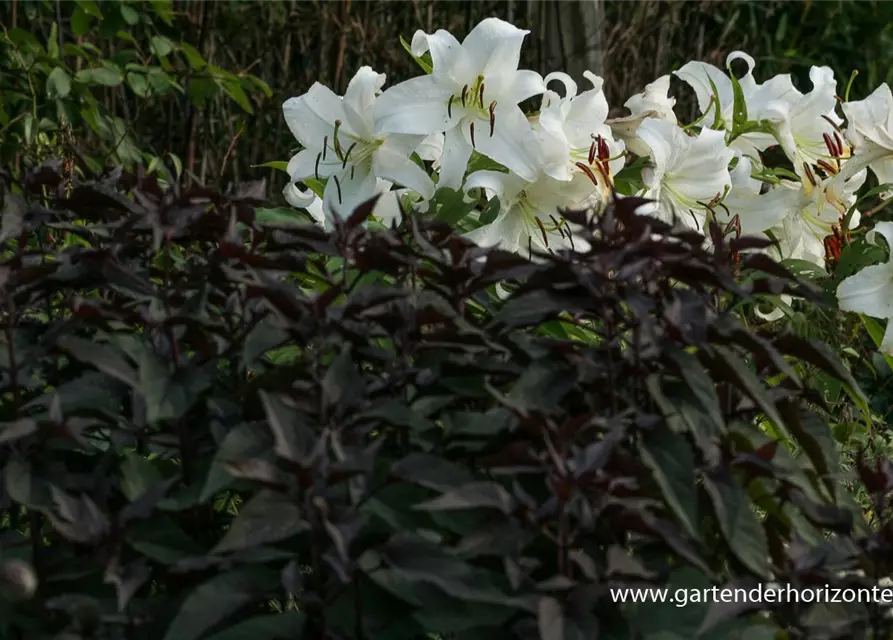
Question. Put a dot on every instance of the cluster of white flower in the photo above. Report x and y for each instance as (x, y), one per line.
(569, 154)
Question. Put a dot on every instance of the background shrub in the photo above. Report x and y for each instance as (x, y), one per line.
(204, 81)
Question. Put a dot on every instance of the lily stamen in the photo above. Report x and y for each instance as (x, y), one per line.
(831, 122)
(316, 165)
(604, 153)
(450, 106)
(338, 151)
(325, 146)
(809, 175)
(471, 129)
(605, 170)
(588, 171)
(464, 93)
(592, 152)
(839, 142)
(347, 155)
(492, 117)
(832, 147)
(539, 223)
(338, 186)
(481, 95)
(827, 167)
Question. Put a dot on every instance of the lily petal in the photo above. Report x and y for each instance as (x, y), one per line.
(698, 76)
(393, 163)
(497, 43)
(345, 192)
(306, 125)
(299, 199)
(454, 160)
(417, 106)
(359, 99)
(522, 85)
(510, 144)
(449, 58)
(431, 148)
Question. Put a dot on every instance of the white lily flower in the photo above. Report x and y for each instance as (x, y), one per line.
(653, 102)
(757, 212)
(471, 95)
(431, 148)
(757, 97)
(688, 172)
(870, 291)
(801, 235)
(751, 211)
(386, 210)
(870, 130)
(806, 126)
(573, 136)
(528, 218)
(341, 145)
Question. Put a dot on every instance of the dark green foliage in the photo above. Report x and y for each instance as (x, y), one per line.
(218, 429)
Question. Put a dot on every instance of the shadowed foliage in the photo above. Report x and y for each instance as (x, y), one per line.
(197, 443)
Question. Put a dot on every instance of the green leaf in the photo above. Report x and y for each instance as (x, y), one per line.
(804, 269)
(424, 61)
(164, 9)
(342, 384)
(472, 495)
(280, 216)
(200, 89)
(161, 540)
(261, 85)
(124, 35)
(820, 355)
(243, 442)
(876, 332)
(738, 370)
(269, 627)
(25, 40)
(738, 522)
(53, 42)
(295, 439)
(491, 211)
(161, 82)
(80, 22)
(138, 84)
(131, 16)
(90, 8)
(267, 334)
(739, 107)
(701, 385)
(718, 121)
(273, 164)
(23, 486)
(58, 83)
(193, 57)
(450, 206)
(233, 89)
(672, 461)
(138, 475)
(168, 396)
(161, 46)
(214, 601)
(106, 76)
(267, 518)
(101, 356)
